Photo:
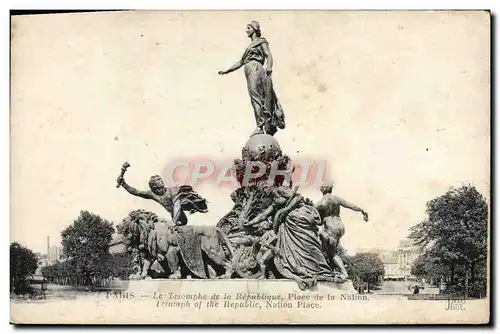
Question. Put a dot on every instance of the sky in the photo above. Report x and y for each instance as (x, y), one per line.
(397, 103)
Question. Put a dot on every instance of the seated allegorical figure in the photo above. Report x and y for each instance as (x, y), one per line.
(297, 253)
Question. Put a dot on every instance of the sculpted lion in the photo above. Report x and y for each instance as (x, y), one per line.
(158, 240)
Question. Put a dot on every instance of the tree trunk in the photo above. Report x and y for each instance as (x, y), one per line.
(88, 280)
(466, 283)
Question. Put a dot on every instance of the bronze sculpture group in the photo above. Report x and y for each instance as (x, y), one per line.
(270, 232)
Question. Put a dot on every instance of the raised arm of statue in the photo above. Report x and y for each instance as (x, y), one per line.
(135, 192)
(232, 68)
(353, 207)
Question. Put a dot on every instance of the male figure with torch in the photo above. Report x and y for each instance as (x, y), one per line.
(175, 200)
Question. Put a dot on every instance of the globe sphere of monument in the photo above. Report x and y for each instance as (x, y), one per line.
(262, 145)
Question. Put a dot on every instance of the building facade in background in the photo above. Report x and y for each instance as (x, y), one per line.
(407, 253)
(391, 266)
(397, 263)
(54, 254)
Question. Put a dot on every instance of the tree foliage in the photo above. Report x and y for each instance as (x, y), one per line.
(454, 237)
(429, 267)
(117, 265)
(367, 266)
(85, 246)
(111, 265)
(23, 263)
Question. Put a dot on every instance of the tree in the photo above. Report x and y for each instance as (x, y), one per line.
(85, 244)
(117, 265)
(455, 235)
(368, 267)
(23, 263)
(50, 272)
(429, 267)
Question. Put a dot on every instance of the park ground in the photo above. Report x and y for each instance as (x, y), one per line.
(401, 288)
(387, 290)
(392, 303)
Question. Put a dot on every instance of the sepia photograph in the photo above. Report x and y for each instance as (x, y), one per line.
(250, 167)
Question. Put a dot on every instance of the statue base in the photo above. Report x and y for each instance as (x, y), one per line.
(233, 286)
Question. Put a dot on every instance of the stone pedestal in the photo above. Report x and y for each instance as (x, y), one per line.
(221, 286)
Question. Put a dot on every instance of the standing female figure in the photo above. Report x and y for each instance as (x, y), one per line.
(268, 113)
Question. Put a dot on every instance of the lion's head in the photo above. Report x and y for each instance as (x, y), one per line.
(136, 226)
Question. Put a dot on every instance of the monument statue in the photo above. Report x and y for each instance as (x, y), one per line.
(271, 231)
(251, 236)
(268, 112)
(175, 200)
(297, 252)
(167, 246)
(332, 228)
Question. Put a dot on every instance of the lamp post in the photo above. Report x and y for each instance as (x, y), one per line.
(44, 286)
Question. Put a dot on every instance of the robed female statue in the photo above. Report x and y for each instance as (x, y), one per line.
(267, 109)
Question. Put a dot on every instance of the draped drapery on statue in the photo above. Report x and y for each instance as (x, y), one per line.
(268, 112)
(269, 116)
(300, 256)
(188, 199)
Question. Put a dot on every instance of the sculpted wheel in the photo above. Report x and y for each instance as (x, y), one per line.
(245, 263)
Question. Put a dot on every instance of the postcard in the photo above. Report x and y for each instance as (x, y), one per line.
(250, 167)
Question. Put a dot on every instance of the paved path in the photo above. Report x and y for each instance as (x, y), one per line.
(393, 287)
(401, 288)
